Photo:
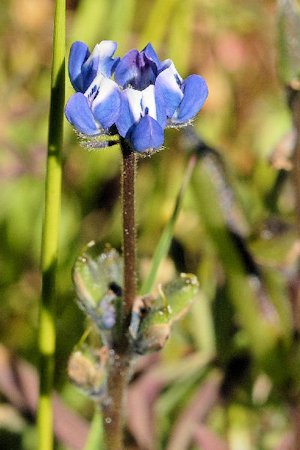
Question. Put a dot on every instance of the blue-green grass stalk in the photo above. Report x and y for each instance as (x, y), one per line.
(47, 313)
(163, 246)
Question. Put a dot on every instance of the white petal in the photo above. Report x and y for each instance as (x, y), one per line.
(148, 101)
(105, 49)
(134, 98)
(101, 51)
(173, 69)
(92, 90)
(106, 88)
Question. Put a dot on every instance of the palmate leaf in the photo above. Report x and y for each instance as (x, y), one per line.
(152, 331)
(97, 277)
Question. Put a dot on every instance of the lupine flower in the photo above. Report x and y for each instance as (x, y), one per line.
(95, 107)
(183, 99)
(142, 117)
(145, 97)
(84, 66)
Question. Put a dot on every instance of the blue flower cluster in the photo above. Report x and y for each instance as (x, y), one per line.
(136, 97)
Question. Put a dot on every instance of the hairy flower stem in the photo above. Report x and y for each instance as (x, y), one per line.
(129, 229)
(294, 101)
(114, 408)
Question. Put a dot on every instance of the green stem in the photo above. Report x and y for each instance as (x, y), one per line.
(164, 243)
(47, 319)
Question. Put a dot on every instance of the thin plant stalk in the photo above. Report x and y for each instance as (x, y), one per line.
(118, 366)
(129, 227)
(113, 410)
(294, 102)
(295, 107)
(47, 316)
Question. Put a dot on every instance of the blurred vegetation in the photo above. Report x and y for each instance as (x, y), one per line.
(232, 368)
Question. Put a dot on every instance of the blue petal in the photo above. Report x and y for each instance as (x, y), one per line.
(168, 90)
(130, 110)
(151, 54)
(79, 114)
(100, 61)
(147, 134)
(106, 106)
(195, 93)
(161, 115)
(79, 53)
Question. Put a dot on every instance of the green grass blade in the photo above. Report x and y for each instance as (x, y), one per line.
(47, 316)
(163, 245)
(95, 437)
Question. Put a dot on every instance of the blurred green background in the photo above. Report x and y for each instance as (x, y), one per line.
(236, 229)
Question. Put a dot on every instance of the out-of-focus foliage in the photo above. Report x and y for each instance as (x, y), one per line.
(230, 372)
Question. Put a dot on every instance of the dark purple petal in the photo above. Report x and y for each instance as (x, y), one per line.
(106, 106)
(80, 116)
(147, 134)
(136, 71)
(79, 53)
(195, 93)
(127, 69)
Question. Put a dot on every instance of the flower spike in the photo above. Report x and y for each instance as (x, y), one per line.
(137, 96)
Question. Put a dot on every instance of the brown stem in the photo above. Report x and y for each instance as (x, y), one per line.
(294, 97)
(295, 413)
(295, 107)
(114, 406)
(294, 100)
(129, 230)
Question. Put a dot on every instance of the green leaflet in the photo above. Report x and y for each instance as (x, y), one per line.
(151, 331)
(98, 277)
(95, 438)
(95, 273)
